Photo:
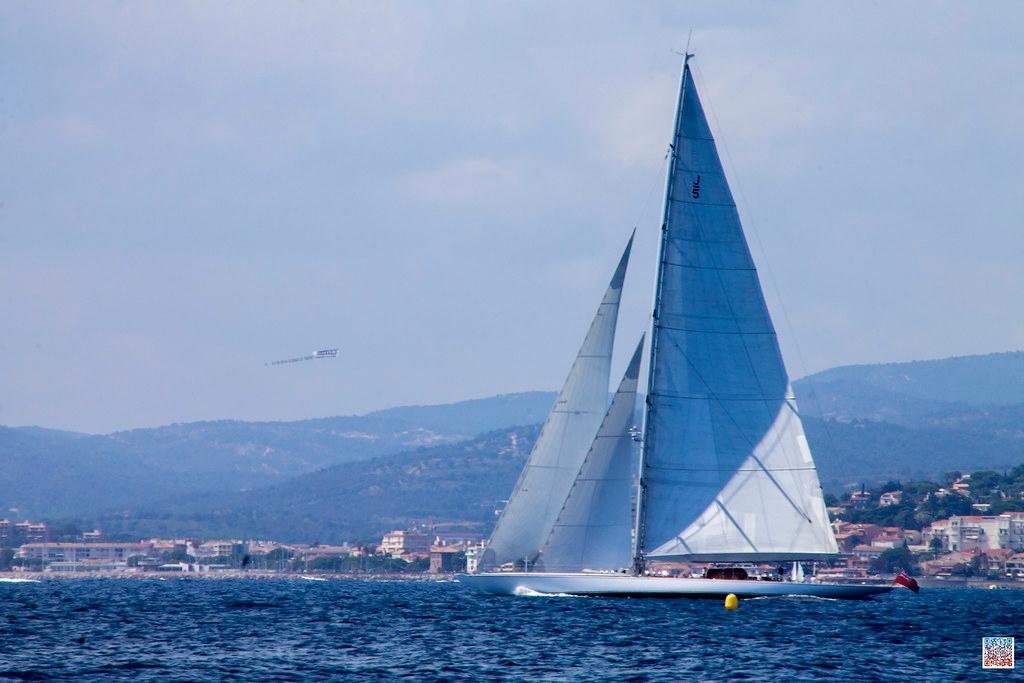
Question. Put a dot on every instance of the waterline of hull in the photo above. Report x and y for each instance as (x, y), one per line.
(624, 585)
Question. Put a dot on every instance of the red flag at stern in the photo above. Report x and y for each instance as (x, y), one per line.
(905, 579)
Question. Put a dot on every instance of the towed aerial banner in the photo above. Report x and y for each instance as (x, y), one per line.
(322, 353)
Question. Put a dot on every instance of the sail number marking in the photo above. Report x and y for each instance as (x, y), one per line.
(695, 188)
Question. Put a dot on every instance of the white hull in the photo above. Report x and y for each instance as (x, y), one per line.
(625, 585)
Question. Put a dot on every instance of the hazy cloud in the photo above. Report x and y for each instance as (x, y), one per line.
(442, 190)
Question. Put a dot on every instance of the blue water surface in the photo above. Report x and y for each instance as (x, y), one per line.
(351, 630)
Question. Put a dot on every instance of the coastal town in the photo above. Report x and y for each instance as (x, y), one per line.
(970, 527)
(35, 547)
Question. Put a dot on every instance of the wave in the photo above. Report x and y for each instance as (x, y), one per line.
(793, 596)
(523, 591)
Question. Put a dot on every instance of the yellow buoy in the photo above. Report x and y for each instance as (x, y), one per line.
(992, 587)
(731, 601)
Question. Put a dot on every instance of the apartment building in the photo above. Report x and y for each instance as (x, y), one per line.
(978, 532)
(78, 552)
(398, 543)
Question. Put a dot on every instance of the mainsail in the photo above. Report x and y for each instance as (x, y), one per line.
(726, 472)
(544, 483)
(594, 527)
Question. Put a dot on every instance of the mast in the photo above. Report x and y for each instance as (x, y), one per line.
(638, 552)
(726, 471)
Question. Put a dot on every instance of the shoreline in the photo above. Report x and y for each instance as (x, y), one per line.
(253, 575)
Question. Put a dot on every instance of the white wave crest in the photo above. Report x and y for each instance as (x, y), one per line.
(530, 593)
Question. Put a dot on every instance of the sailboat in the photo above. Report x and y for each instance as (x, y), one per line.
(724, 473)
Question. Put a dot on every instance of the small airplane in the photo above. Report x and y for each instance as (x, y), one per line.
(322, 353)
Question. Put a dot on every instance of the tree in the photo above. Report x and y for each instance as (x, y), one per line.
(942, 507)
(174, 556)
(962, 569)
(368, 564)
(986, 481)
(902, 515)
(420, 565)
(890, 486)
(919, 489)
(278, 558)
(1002, 506)
(34, 564)
(460, 561)
(894, 560)
(68, 530)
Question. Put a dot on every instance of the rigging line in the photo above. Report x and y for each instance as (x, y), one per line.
(699, 203)
(572, 490)
(728, 270)
(690, 330)
(742, 432)
(720, 397)
(680, 238)
(701, 233)
(651, 187)
(544, 431)
(682, 542)
(520, 482)
(726, 296)
(736, 524)
(549, 502)
(666, 468)
(813, 393)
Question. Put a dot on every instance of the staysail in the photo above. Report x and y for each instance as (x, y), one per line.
(726, 472)
(544, 483)
(594, 528)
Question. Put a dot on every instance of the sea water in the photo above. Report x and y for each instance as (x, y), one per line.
(352, 630)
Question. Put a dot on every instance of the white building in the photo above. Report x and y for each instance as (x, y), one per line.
(977, 532)
(77, 552)
(216, 549)
(473, 555)
(1015, 567)
(398, 543)
(890, 498)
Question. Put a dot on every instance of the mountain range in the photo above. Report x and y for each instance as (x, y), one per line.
(454, 486)
(347, 478)
(914, 420)
(48, 473)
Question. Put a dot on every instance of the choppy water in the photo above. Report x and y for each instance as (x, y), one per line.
(179, 630)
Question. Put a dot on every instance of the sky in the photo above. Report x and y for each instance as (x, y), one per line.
(442, 190)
